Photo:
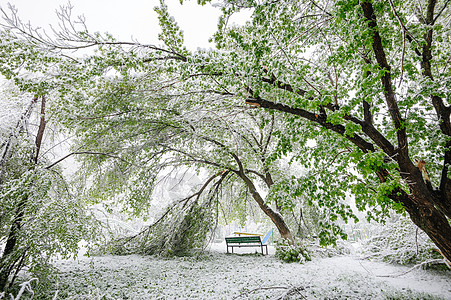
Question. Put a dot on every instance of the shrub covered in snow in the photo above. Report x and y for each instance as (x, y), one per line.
(400, 241)
(340, 248)
(40, 213)
(291, 253)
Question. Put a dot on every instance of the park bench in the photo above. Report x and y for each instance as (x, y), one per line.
(248, 241)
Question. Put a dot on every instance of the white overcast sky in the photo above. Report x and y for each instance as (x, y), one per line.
(125, 19)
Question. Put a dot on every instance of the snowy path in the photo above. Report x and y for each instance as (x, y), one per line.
(222, 276)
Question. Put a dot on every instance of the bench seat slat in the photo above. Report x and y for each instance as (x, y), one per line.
(245, 241)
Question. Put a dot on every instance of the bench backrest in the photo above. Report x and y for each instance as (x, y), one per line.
(243, 239)
(267, 236)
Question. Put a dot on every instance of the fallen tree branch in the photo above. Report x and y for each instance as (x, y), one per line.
(291, 290)
(433, 261)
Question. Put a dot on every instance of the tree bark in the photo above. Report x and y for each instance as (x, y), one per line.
(275, 217)
(420, 206)
(41, 130)
(428, 208)
(12, 254)
(443, 196)
(8, 261)
(420, 203)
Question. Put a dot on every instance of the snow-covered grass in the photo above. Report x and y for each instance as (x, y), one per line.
(217, 275)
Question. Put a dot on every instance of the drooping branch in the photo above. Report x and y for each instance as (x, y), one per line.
(194, 159)
(12, 246)
(367, 124)
(86, 152)
(242, 173)
(72, 34)
(221, 174)
(183, 201)
(268, 177)
(274, 216)
(316, 118)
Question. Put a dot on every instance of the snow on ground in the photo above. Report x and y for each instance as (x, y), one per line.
(217, 275)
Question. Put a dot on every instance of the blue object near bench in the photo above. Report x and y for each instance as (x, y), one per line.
(248, 241)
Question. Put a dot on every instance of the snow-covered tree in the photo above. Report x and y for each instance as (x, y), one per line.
(38, 215)
(156, 133)
(369, 81)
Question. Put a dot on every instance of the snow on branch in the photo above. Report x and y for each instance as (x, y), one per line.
(71, 34)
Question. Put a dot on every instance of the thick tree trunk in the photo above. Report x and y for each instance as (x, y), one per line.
(420, 206)
(275, 217)
(420, 202)
(435, 224)
(442, 197)
(424, 214)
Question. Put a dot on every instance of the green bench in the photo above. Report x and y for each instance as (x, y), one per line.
(245, 241)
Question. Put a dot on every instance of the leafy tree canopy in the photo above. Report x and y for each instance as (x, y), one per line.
(368, 81)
